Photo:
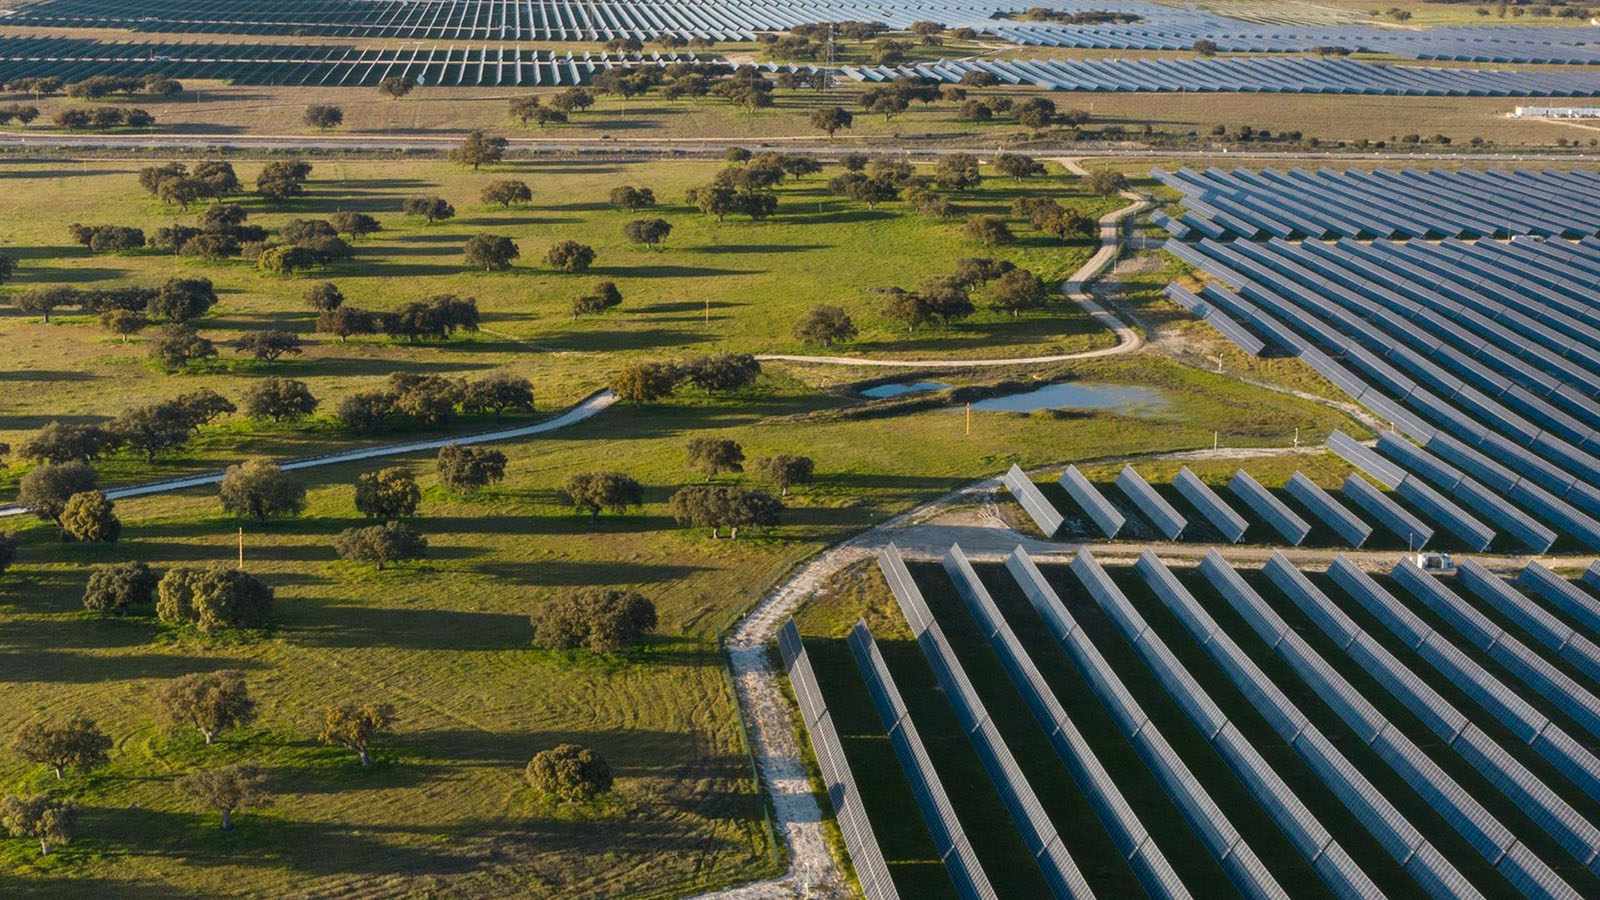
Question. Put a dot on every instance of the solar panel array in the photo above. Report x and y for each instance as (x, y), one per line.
(313, 64)
(1562, 594)
(1484, 356)
(1061, 874)
(1158, 26)
(1381, 203)
(1250, 75)
(1538, 837)
(1033, 500)
(866, 857)
(504, 20)
(1553, 814)
(949, 838)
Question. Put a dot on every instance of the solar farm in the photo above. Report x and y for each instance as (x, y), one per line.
(775, 449)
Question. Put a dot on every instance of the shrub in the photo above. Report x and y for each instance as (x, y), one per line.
(258, 488)
(601, 620)
(570, 772)
(380, 544)
(90, 516)
(466, 469)
(390, 493)
(119, 587)
(279, 399)
(212, 598)
(569, 256)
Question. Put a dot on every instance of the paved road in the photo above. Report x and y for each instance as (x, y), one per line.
(589, 406)
(806, 144)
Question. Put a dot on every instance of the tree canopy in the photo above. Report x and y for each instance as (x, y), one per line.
(601, 620)
(258, 488)
(466, 469)
(380, 545)
(212, 598)
(826, 325)
(357, 726)
(209, 702)
(119, 587)
(390, 493)
(226, 789)
(76, 743)
(570, 772)
(594, 492)
(49, 820)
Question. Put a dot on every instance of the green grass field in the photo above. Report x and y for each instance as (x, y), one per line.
(732, 286)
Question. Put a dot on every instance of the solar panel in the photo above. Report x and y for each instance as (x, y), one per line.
(1276, 513)
(1105, 516)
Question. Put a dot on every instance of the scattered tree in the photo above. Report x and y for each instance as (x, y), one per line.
(397, 86)
(356, 727)
(479, 150)
(58, 443)
(119, 587)
(825, 325)
(644, 382)
(182, 299)
(592, 492)
(724, 506)
(324, 117)
(724, 372)
(90, 517)
(212, 598)
(649, 232)
(390, 493)
(1107, 183)
(268, 345)
(76, 743)
(467, 469)
(600, 620)
(45, 300)
(987, 230)
(431, 208)
(570, 772)
(49, 821)
(355, 224)
(367, 412)
(490, 252)
(324, 296)
(380, 545)
(506, 193)
(632, 199)
(831, 119)
(498, 393)
(1018, 166)
(712, 456)
(279, 399)
(1036, 112)
(208, 702)
(958, 171)
(226, 789)
(569, 256)
(1016, 290)
(604, 297)
(258, 488)
(46, 489)
(784, 471)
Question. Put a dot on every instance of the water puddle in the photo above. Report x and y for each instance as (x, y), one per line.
(897, 390)
(1124, 399)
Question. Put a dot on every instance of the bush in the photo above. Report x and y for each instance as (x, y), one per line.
(601, 620)
(987, 230)
(569, 256)
(825, 325)
(644, 382)
(324, 117)
(570, 772)
(489, 252)
(380, 544)
(258, 488)
(268, 345)
(466, 469)
(90, 516)
(119, 587)
(212, 598)
(279, 399)
(390, 493)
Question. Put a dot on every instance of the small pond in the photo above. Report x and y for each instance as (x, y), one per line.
(1125, 399)
(896, 390)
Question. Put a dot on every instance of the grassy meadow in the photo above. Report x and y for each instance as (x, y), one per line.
(732, 286)
(444, 811)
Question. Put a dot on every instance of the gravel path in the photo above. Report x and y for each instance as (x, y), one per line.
(589, 406)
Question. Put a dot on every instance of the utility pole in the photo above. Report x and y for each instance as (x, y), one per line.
(241, 547)
(969, 418)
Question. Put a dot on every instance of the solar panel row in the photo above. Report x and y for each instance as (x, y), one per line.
(1033, 501)
(329, 65)
(1216, 510)
(1549, 630)
(1382, 203)
(1533, 670)
(1168, 521)
(1287, 75)
(866, 857)
(1327, 510)
(1219, 835)
(1149, 864)
(1061, 874)
(1553, 814)
(1386, 824)
(949, 838)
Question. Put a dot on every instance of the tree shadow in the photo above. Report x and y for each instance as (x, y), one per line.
(337, 625)
(666, 271)
(758, 248)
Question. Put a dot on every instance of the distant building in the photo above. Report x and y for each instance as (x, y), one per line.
(1557, 112)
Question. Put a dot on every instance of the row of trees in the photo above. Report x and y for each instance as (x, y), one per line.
(430, 401)
(104, 118)
(649, 381)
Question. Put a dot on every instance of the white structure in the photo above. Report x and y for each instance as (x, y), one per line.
(1556, 112)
